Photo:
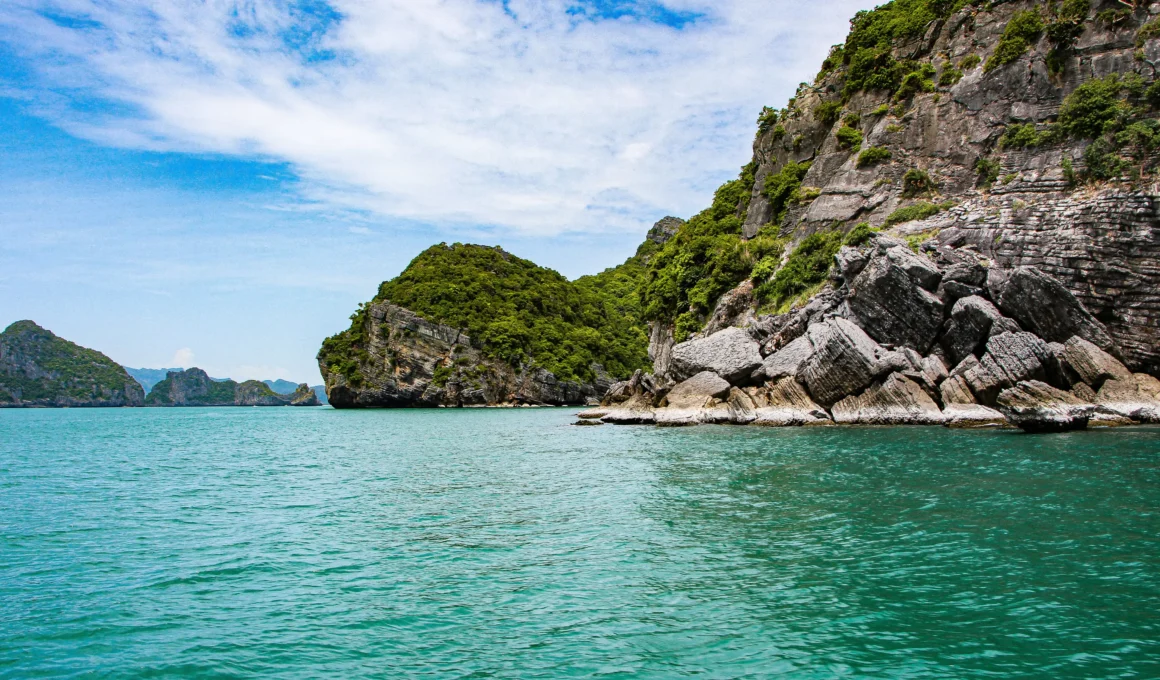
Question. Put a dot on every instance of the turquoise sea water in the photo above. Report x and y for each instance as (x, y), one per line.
(308, 543)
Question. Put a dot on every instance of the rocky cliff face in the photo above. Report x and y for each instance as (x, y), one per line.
(899, 337)
(1005, 154)
(988, 137)
(37, 368)
(411, 362)
(194, 387)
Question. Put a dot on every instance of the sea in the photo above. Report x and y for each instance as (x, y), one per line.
(508, 543)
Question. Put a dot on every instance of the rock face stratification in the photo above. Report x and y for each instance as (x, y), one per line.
(194, 387)
(920, 357)
(39, 369)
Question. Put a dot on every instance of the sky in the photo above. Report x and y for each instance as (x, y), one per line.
(219, 183)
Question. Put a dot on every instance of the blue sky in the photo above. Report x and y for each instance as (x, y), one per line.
(219, 183)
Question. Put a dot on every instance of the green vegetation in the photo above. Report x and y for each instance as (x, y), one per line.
(1018, 37)
(849, 138)
(881, 110)
(778, 133)
(517, 311)
(917, 211)
(988, 170)
(860, 234)
(916, 183)
(766, 119)
(1021, 136)
(72, 371)
(828, 113)
(919, 80)
(808, 194)
(806, 267)
(1113, 18)
(1148, 31)
(873, 156)
(873, 34)
(1113, 113)
(915, 241)
(781, 188)
(970, 61)
(949, 76)
(1064, 30)
(217, 392)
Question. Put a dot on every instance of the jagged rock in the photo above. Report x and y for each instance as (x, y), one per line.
(638, 410)
(1136, 397)
(934, 370)
(742, 410)
(1084, 392)
(973, 320)
(593, 414)
(775, 332)
(731, 354)
(583, 422)
(660, 346)
(966, 271)
(786, 361)
(845, 360)
(664, 229)
(304, 395)
(1010, 358)
(734, 308)
(896, 401)
(890, 303)
(920, 269)
(698, 390)
(786, 403)
(1091, 364)
(849, 262)
(972, 416)
(955, 390)
(1034, 406)
(1043, 306)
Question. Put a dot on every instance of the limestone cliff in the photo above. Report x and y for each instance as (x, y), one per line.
(37, 368)
(194, 387)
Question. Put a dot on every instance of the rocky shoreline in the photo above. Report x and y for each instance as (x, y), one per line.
(897, 338)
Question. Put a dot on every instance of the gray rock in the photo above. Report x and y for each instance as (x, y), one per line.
(731, 354)
(892, 306)
(593, 414)
(698, 390)
(934, 370)
(849, 262)
(955, 390)
(896, 401)
(786, 361)
(1091, 364)
(1010, 358)
(920, 269)
(845, 361)
(968, 272)
(638, 410)
(973, 417)
(1043, 306)
(660, 346)
(1136, 397)
(664, 230)
(786, 403)
(951, 291)
(1034, 406)
(973, 320)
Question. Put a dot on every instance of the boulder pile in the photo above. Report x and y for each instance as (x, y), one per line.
(898, 337)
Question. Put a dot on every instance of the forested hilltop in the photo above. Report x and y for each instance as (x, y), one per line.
(37, 368)
(995, 136)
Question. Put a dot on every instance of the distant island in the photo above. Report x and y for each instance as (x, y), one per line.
(40, 369)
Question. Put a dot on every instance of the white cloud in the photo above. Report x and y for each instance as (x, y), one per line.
(182, 358)
(447, 112)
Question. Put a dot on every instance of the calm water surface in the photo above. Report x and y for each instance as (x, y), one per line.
(307, 543)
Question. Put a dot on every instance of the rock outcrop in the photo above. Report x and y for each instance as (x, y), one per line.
(410, 362)
(194, 387)
(39, 369)
(820, 365)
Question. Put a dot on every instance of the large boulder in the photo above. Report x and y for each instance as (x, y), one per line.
(1136, 397)
(1091, 364)
(786, 361)
(972, 417)
(1010, 358)
(844, 361)
(697, 390)
(1035, 406)
(955, 390)
(896, 401)
(889, 299)
(786, 403)
(973, 320)
(732, 354)
(1045, 307)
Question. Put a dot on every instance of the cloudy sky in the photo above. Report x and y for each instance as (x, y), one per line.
(219, 182)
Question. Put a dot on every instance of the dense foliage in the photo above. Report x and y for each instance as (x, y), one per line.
(71, 370)
(1020, 34)
(517, 311)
